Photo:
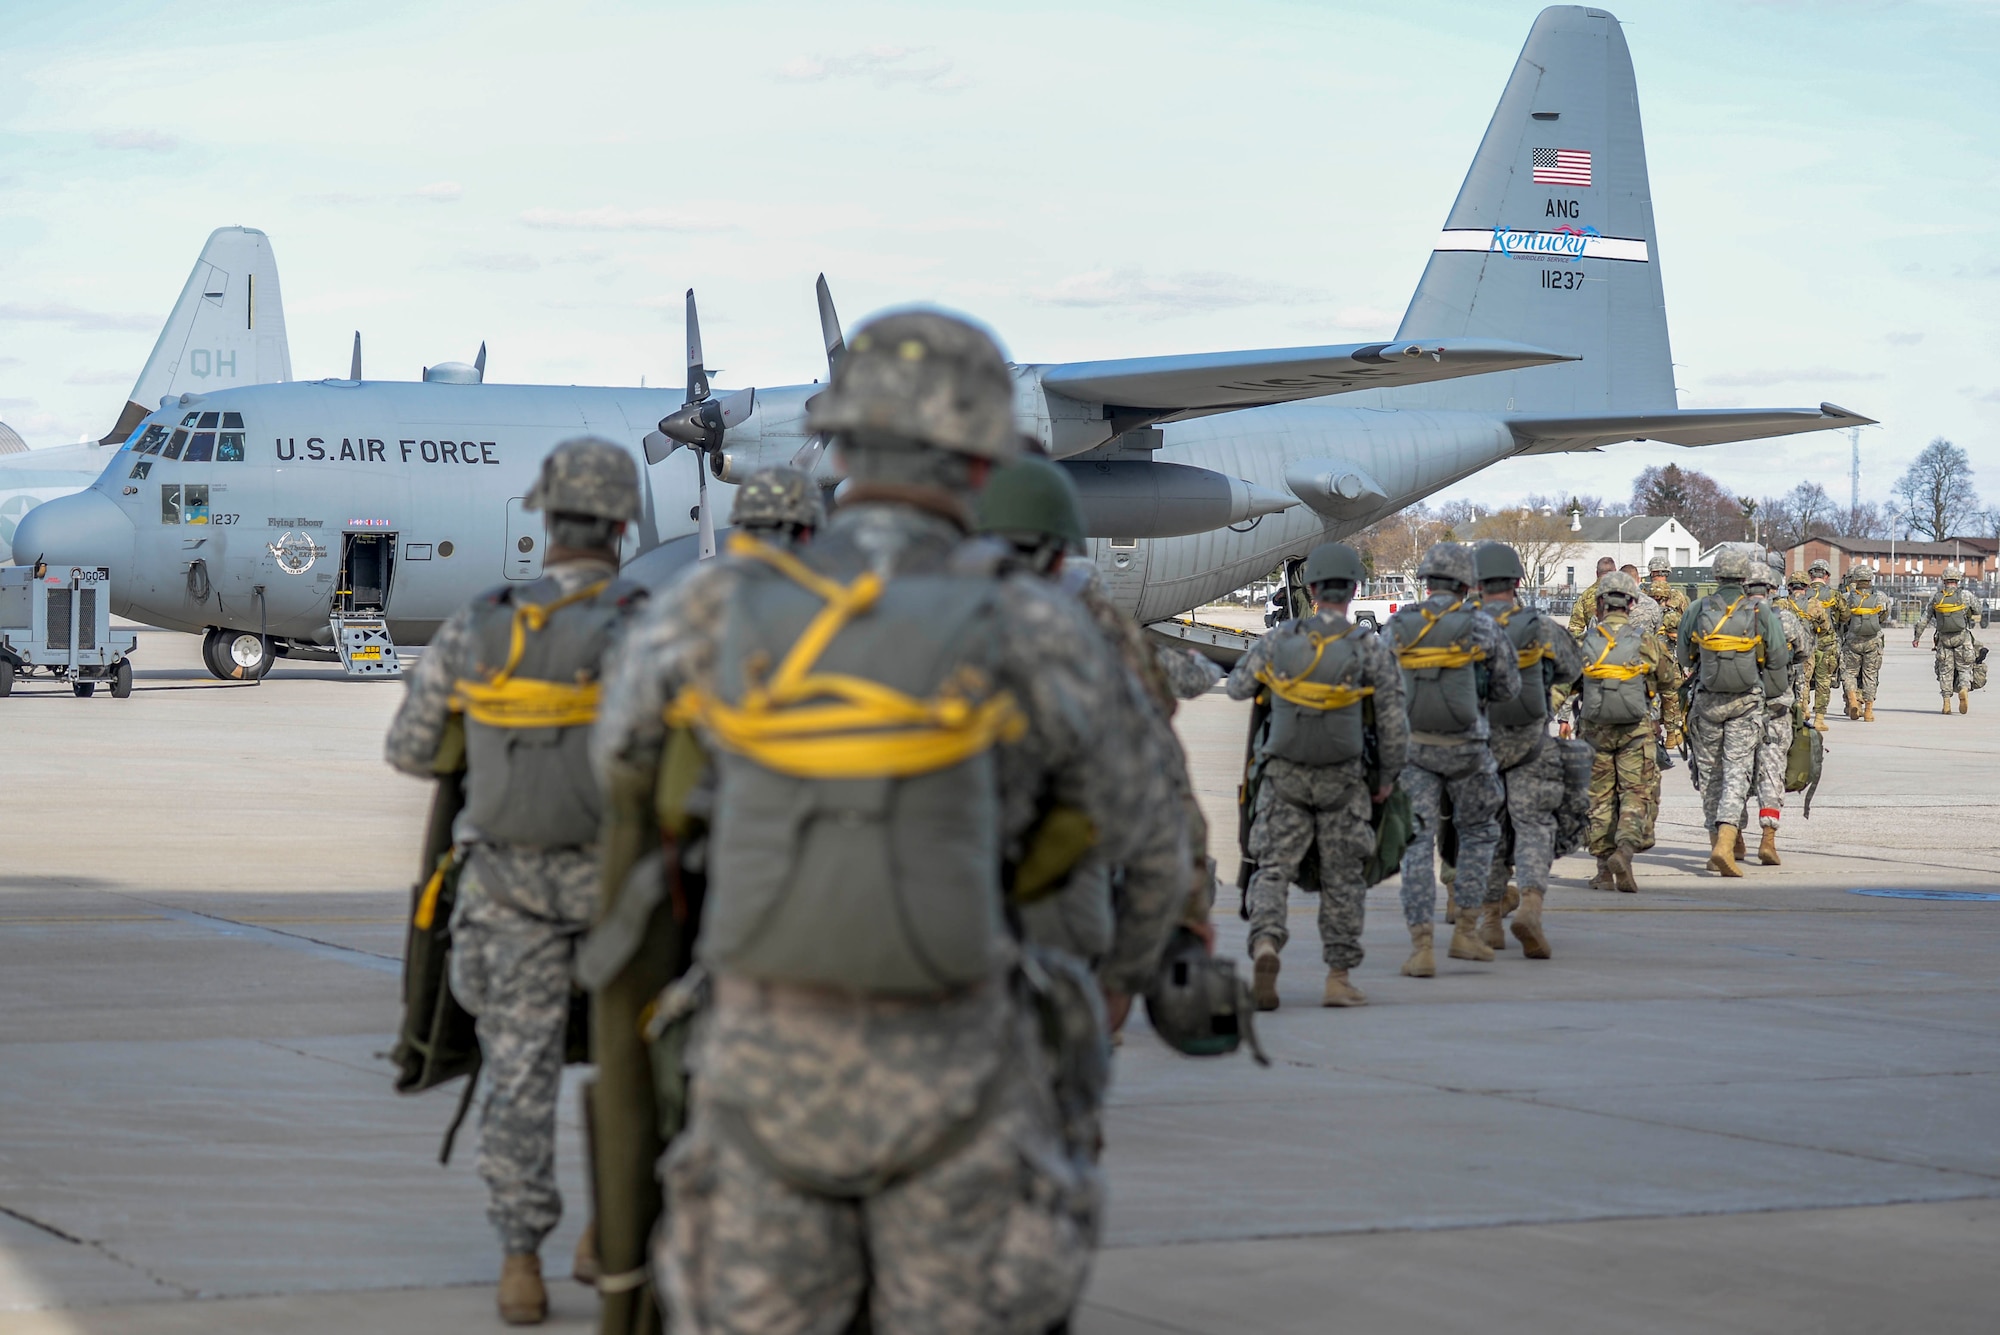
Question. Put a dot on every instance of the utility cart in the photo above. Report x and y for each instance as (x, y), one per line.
(57, 620)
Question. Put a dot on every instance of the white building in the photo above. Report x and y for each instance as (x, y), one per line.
(1630, 540)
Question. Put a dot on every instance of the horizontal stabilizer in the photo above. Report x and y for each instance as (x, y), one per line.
(1693, 426)
(1166, 389)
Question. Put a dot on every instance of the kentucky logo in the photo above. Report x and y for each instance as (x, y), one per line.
(1564, 243)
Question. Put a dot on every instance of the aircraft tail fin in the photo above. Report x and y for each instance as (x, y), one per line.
(1551, 240)
(227, 329)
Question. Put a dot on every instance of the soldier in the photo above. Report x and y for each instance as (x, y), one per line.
(1585, 608)
(1627, 673)
(1031, 509)
(1725, 643)
(1784, 688)
(1672, 602)
(872, 1118)
(1329, 683)
(1860, 616)
(1529, 762)
(1956, 652)
(1823, 599)
(521, 666)
(780, 506)
(1456, 663)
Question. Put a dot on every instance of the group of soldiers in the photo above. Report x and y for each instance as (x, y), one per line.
(843, 858)
(855, 843)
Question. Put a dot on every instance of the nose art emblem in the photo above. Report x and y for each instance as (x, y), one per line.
(295, 553)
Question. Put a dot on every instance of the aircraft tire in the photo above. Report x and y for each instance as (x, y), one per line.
(223, 651)
(6, 676)
(121, 680)
(84, 689)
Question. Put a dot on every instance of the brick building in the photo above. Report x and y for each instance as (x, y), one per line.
(1899, 559)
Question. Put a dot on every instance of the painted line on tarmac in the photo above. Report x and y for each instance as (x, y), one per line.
(306, 945)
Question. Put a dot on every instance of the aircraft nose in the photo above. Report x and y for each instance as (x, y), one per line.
(86, 529)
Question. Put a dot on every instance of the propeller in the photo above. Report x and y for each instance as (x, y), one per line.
(836, 349)
(700, 423)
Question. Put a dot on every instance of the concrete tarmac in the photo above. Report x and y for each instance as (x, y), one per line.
(1758, 1105)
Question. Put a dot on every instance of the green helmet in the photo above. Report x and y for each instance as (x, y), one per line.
(1450, 562)
(1497, 560)
(1619, 584)
(774, 496)
(1819, 568)
(1198, 1005)
(924, 376)
(1032, 495)
(1659, 565)
(1333, 561)
(1732, 564)
(1797, 580)
(587, 475)
(1861, 573)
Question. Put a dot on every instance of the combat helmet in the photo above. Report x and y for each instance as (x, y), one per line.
(1760, 576)
(1732, 564)
(1497, 560)
(1450, 562)
(1861, 572)
(1331, 561)
(1953, 574)
(1197, 1003)
(1798, 579)
(1659, 565)
(775, 497)
(587, 475)
(923, 376)
(1820, 568)
(1032, 496)
(1618, 584)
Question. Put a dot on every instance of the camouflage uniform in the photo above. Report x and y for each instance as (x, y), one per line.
(1623, 780)
(1954, 656)
(1459, 766)
(1531, 769)
(1300, 806)
(1726, 730)
(1860, 652)
(514, 930)
(1583, 611)
(1821, 602)
(1673, 605)
(1775, 748)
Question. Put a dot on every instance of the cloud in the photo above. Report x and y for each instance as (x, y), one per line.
(609, 219)
(10, 361)
(514, 262)
(1159, 297)
(136, 141)
(440, 192)
(16, 403)
(55, 312)
(1903, 340)
(1764, 379)
(883, 66)
(98, 378)
(1990, 396)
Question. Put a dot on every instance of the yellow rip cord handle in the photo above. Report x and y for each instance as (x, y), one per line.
(427, 903)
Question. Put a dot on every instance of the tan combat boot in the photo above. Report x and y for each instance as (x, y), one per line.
(1742, 849)
(1528, 926)
(1767, 849)
(584, 1267)
(1947, 706)
(1621, 870)
(1491, 931)
(1965, 702)
(1340, 992)
(1264, 973)
(1450, 908)
(1867, 711)
(1853, 702)
(1512, 902)
(1421, 963)
(523, 1300)
(1465, 942)
(1602, 881)
(1723, 859)
(1819, 719)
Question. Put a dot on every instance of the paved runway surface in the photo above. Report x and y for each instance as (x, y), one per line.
(1761, 1105)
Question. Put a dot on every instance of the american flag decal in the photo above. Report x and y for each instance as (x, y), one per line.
(1562, 166)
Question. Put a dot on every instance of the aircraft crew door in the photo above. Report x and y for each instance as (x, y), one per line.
(523, 557)
(1121, 563)
(367, 564)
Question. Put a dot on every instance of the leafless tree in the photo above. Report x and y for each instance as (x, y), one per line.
(1936, 494)
(1543, 540)
(1694, 498)
(1393, 545)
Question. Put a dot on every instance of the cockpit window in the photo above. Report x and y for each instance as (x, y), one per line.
(140, 469)
(170, 503)
(173, 448)
(150, 442)
(229, 446)
(201, 446)
(233, 419)
(190, 419)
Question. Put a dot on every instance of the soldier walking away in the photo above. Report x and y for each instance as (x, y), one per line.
(1673, 602)
(1953, 613)
(1627, 672)
(1530, 763)
(1456, 663)
(873, 1123)
(1585, 608)
(520, 669)
(1328, 683)
(1784, 689)
(1726, 641)
(1824, 600)
(780, 506)
(1860, 616)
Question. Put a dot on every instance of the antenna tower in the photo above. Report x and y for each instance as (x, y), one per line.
(1854, 470)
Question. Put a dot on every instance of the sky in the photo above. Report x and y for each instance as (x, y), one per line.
(1089, 179)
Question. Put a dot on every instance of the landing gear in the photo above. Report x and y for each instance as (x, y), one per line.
(121, 680)
(237, 655)
(86, 689)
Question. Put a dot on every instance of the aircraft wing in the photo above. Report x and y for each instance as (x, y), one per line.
(1693, 426)
(1168, 389)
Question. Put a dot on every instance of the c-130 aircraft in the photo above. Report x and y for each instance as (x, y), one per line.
(1199, 473)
